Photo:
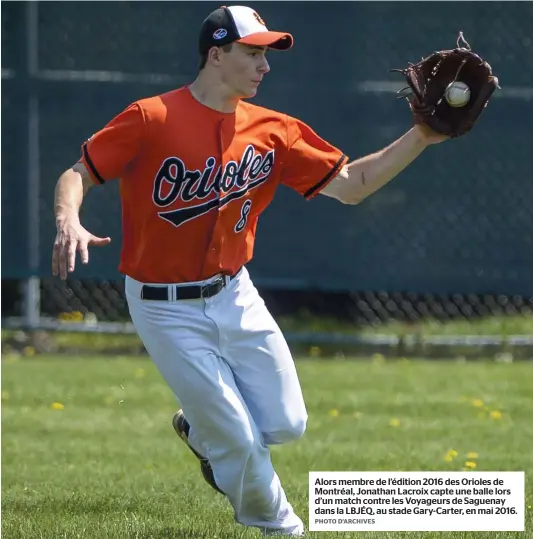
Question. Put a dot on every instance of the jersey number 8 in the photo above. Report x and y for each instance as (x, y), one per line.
(245, 212)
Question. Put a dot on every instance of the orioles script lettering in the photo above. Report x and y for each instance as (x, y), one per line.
(220, 185)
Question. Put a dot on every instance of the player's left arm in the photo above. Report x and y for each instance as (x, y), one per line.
(312, 166)
(360, 178)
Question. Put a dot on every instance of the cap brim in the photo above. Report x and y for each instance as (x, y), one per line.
(280, 41)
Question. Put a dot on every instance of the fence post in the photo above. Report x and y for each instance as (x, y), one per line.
(31, 288)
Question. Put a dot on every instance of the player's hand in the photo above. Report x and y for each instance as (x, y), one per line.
(72, 237)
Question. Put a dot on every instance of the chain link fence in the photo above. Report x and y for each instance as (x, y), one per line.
(105, 301)
(452, 238)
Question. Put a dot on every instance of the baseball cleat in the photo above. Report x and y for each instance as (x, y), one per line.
(278, 533)
(181, 426)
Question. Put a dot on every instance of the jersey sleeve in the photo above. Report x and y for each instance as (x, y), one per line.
(108, 152)
(311, 162)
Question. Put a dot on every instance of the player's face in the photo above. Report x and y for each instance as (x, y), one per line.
(243, 69)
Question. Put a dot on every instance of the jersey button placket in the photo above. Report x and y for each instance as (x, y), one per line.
(214, 246)
(222, 314)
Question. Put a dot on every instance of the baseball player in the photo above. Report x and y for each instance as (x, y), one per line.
(197, 167)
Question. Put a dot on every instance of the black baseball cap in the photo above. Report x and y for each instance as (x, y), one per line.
(242, 24)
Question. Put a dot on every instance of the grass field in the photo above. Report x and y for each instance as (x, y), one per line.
(88, 450)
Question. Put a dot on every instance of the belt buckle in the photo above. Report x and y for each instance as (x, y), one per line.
(204, 288)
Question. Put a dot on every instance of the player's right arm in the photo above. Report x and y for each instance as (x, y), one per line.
(71, 236)
(104, 157)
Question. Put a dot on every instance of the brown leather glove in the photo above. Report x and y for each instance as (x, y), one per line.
(429, 79)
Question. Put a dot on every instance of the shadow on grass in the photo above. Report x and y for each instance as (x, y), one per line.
(173, 533)
(116, 508)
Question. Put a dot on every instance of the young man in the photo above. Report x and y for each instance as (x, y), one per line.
(198, 165)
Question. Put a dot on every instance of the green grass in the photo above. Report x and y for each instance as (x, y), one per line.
(16, 342)
(108, 465)
(500, 326)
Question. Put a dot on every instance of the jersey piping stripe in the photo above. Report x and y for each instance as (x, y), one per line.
(328, 176)
(91, 164)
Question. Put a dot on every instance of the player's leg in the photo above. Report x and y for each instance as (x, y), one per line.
(183, 343)
(265, 376)
(263, 367)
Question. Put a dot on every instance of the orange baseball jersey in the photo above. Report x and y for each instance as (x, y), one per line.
(193, 180)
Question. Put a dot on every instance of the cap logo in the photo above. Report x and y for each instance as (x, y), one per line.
(221, 33)
(259, 19)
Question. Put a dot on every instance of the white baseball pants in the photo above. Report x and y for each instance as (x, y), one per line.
(231, 370)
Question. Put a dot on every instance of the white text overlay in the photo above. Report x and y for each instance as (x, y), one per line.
(416, 501)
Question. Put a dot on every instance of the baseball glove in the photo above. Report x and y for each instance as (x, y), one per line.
(429, 79)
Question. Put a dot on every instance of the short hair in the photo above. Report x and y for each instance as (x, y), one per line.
(203, 57)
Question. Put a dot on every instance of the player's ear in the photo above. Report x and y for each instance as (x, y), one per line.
(215, 55)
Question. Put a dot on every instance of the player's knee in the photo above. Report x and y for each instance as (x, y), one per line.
(296, 428)
(291, 429)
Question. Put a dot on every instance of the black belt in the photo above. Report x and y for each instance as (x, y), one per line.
(161, 293)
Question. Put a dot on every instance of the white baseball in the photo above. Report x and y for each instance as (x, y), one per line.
(457, 94)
